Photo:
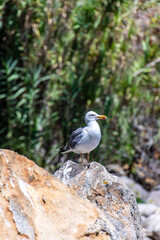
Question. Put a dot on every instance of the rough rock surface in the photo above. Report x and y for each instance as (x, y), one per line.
(115, 201)
(138, 190)
(37, 206)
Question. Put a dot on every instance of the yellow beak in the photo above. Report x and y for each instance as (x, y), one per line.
(102, 117)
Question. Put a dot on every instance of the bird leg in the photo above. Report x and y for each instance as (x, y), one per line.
(88, 157)
(81, 157)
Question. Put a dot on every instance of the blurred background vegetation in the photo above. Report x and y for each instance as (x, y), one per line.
(59, 59)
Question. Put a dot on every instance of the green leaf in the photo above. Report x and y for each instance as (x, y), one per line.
(11, 66)
(13, 77)
(42, 79)
(17, 94)
(2, 96)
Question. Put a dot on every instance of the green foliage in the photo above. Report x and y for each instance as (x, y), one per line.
(139, 200)
(22, 122)
(60, 59)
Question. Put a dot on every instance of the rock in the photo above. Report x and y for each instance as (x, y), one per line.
(114, 200)
(139, 191)
(37, 206)
(157, 188)
(156, 232)
(147, 209)
(147, 173)
(154, 196)
(152, 226)
(116, 169)
(151, 220)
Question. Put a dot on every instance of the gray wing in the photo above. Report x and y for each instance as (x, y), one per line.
(75, 137)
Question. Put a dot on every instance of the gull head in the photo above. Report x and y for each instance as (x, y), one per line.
(92, 116)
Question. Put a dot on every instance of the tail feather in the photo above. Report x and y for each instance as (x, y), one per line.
(65, 149)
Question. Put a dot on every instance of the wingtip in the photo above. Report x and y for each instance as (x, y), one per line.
(64, 149)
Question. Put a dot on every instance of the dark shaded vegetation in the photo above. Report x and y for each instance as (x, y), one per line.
(60, 59)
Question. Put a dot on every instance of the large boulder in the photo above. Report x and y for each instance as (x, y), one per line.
(108, 194)
(35, 205)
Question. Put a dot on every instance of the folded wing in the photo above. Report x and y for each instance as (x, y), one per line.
(75, 137)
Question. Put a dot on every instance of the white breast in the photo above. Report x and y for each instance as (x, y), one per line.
(90, 140)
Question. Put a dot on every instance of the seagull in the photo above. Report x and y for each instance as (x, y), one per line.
(85, 139)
